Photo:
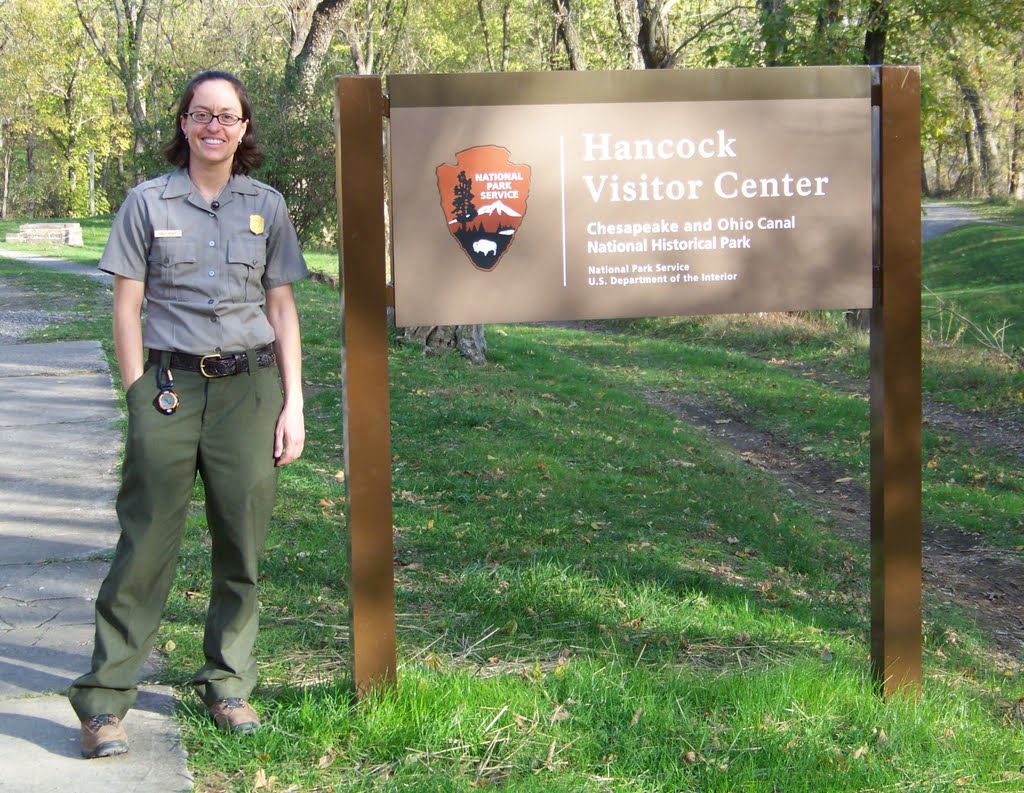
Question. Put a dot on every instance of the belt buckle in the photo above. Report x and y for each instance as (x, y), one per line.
(202, 366)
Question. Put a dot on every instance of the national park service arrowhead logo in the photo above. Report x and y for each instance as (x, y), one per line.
(484, 200)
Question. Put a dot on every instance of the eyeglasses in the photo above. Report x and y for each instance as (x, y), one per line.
(224, 119)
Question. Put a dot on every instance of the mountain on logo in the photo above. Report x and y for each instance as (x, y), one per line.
(500, 208)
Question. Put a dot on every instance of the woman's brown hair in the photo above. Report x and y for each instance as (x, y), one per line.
(248, 155)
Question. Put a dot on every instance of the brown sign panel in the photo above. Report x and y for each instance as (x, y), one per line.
(540, 197)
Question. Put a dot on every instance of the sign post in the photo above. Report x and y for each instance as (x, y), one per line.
(563, 196)
(896, 390)
(364, 376)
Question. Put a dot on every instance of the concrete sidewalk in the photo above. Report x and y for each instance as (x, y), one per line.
(58, 478)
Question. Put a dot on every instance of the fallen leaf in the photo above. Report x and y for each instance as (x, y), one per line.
(723, 421)
(259, 781)
(170, 647)
(560, 714)
(636, 717)
(326, 761)
(732, 540)
(340, 476)
(843, 480)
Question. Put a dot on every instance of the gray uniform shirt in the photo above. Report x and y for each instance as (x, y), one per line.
(206, 270)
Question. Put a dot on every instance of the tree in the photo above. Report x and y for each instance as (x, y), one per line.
(119, 41)
(56, 109)
(463, 209)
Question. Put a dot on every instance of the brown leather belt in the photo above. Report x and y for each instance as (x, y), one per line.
(217, 365)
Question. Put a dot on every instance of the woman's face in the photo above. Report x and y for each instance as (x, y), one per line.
(213, 144)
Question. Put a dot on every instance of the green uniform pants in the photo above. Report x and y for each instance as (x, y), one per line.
(224, 430)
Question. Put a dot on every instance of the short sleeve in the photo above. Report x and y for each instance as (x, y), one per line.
(131, 234)
(285, 262)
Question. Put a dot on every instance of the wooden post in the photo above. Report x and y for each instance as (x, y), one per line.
(360, 111)
(896, 390)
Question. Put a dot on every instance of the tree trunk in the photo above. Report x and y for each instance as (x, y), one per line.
(939, 183)
(301, 73)
(566, 32)
(506, 35)
(7, 181)
(968, 181)
(436, 339)
(627, 16)
(486, 35)
(1016, 182)
(988, 157)
(30, 171)
(875, 35)
(653, 34)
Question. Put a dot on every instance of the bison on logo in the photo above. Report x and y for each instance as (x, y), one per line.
(484, 200)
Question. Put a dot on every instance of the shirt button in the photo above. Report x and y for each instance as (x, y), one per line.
(212, 214)
(211, 273)
(212, 244)
(210, 301)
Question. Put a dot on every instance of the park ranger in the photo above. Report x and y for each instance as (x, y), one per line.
(218, 393)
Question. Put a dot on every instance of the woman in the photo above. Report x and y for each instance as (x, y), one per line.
(214, 254)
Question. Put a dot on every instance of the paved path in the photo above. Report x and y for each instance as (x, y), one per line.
(58, 477)
(937, 219)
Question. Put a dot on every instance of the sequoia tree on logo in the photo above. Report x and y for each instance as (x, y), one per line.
(484, 200)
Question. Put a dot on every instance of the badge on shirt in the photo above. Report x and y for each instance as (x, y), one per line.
(256, 224)
(166, 233)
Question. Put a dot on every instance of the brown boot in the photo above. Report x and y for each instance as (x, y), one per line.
(103, 736)
(234, 715)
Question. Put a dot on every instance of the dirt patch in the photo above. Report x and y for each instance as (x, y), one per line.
(1001, 434)
(957, 568)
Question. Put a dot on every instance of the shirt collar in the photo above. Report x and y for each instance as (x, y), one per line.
(180, 185)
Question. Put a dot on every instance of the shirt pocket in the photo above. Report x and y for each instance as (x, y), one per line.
(172, 267)
(247, 259)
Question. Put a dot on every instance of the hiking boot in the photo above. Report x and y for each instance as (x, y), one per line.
(103, 736)
(234, 715)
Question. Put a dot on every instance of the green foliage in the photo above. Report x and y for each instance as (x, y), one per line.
(62, 97)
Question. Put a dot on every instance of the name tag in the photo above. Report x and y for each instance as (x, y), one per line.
(165, 233)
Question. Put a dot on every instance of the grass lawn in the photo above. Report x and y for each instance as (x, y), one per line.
(592, 595)
(978, 271)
